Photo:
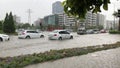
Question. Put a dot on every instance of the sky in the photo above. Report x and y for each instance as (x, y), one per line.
(40, 8)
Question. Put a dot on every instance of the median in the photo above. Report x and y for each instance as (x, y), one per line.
(24, 60)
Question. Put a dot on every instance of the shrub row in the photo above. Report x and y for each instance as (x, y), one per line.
(114, 32)
(24, 60)
(1, 31)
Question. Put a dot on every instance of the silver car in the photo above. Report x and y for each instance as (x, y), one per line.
(27, 34)
(60, 34)
(4, 37)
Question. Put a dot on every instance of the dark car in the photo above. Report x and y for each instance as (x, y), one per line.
(81, 31)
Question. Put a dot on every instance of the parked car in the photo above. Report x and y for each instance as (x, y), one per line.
(96, 31)
(4, 37)
(90, 31)
(60, 34)
(27, 34)
(81, 31)
(103, 31)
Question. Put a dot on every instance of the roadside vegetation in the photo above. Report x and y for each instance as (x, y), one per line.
(24, 60)
(114, 32)
(7, 25)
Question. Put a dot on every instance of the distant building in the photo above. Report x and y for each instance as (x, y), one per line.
(59, 21)
(109, 25)
(51, 22)
(101, 20)
(94, 20)
(17, 19)
(66, 20)
(90, 19)
(38, 22)
(57, 8)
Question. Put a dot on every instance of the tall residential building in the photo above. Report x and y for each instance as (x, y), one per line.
(57, 8)
(64, 19)
(100, 20)
(90, 19)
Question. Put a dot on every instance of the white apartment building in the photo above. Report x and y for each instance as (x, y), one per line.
(101, 20)
(66, 20)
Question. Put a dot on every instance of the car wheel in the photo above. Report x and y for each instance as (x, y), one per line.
(60, 38)
(27, 37)
(1, 39)
(71, 37)
(42, 36)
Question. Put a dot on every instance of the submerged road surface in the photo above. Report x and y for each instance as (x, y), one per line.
(16, 46)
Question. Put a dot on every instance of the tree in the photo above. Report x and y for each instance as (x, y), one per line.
(11, 23)
(1, 25)
(5, 24)
(79, 8)
(8, 25)
(26, 26)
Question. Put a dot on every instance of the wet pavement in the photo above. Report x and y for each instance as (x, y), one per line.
(16, 46)
(102, 59)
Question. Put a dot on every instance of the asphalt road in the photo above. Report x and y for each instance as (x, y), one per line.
(16, 46)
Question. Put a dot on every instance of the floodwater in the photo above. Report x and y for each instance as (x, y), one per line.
(16, 46)
(103, 59)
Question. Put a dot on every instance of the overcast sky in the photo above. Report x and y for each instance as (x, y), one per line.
(40, 8)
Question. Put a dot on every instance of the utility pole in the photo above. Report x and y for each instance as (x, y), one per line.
(114, 17)
(29, 16)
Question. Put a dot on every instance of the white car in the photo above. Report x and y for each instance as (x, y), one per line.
(60, 34)
(27, 34)
(4, 37)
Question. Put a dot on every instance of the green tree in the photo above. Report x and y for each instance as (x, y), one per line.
(8, 25)
(1, 25)
(26, 26)
(11, 23)
(5, 24)
(79, 8)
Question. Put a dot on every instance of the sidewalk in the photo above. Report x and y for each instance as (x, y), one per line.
(102, 59)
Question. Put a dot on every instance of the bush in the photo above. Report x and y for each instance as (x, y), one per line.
(1, 31)
(114, 32)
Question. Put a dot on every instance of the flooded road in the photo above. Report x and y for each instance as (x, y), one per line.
(16, 46)
(103, 59)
